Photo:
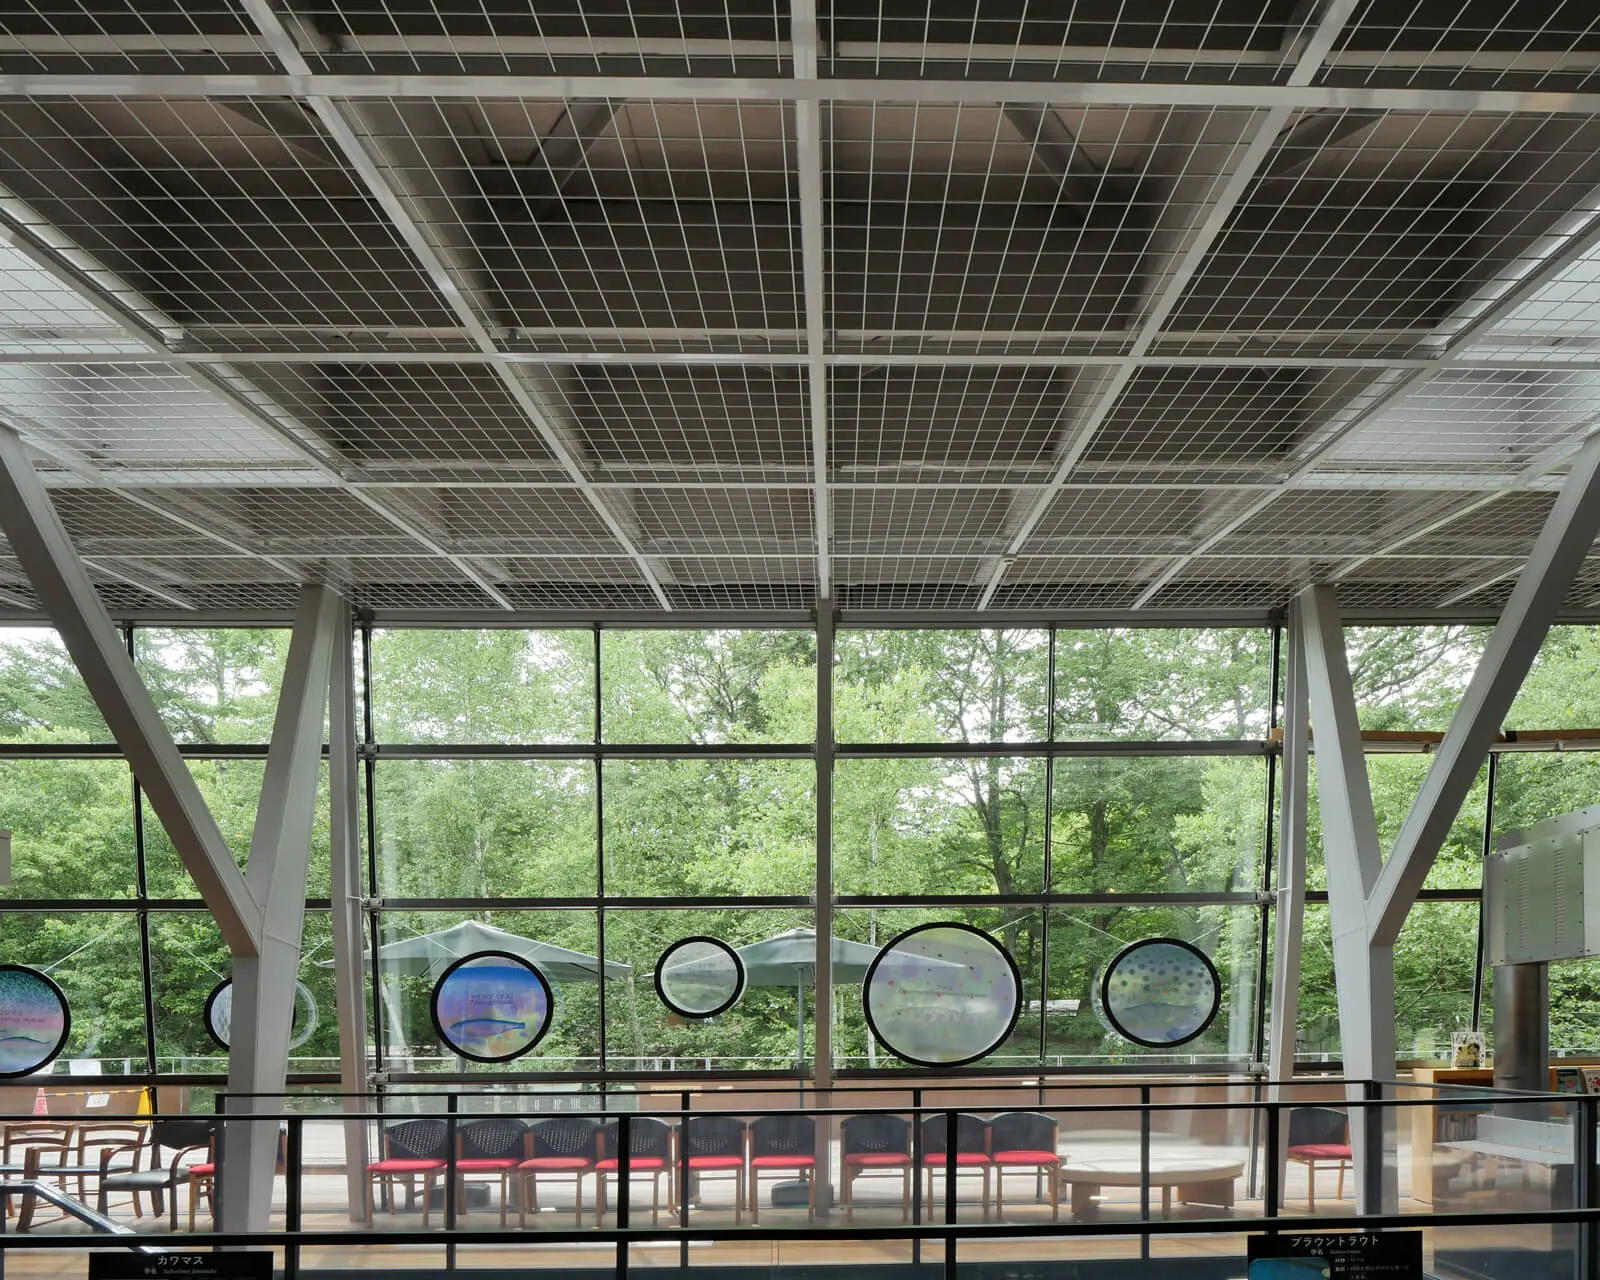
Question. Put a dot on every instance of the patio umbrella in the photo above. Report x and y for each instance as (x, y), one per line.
(430, 954)
(790, 960)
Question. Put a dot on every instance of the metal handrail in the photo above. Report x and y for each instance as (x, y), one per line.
(74, 1208)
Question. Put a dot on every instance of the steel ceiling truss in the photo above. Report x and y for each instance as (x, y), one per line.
(1129, 315)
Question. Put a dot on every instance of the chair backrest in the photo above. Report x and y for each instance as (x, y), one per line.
(869, 1134)
(492, 1138)
(647, 1136)
(177, 1133)
(785, 1135)
(424, 1139)
(1022, 1131)
(972, 1134)
(714, 1136)
(562, 1136)
(1317, 1126)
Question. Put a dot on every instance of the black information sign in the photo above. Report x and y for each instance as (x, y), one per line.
(1343, 1255)
(252, 1265)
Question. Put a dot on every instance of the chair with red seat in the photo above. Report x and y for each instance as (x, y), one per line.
(875, 1144)
(715, 1144)
(412, 1149)
(972, 1150)
(1025, 1140)
(783, 1144)
(566, 1146)
(1318, 1137)
(649, 1153)
(492, 1148)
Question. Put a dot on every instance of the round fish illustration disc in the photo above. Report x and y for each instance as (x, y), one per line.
(34, 1021)
(492, 1006)
(1160, 992)
(942, 995)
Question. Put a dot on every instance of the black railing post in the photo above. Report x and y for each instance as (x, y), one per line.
(449, 1183)
(624, 1170)
(293, 1143)
(1272, 1167)
(1372, 1126)
(1586, 1188)
(1144, 1167)
(682, 1175)
(917, 1154)
(950, 1167)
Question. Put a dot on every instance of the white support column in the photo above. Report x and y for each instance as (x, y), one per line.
(1289, 917)
(348, 933)
(1364, 974)
(1568, 534)
(280, 851)
(58, 578)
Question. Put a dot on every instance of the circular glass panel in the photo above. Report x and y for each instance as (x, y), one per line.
(1160, 992)
(699, 977)
(219, 1013)
(492, 1006)
(34, 1020)
(942, 995)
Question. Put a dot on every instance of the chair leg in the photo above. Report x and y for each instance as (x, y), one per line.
(1342, 1167)
(1055, 1193)
(1311, 1186)
(371, 1208)
(755, 1199)
(999, 1194)
(849, 1196)
(985, 1172)
(577, 1183)
(194, 1191)
(905, 1195)
(427, 1198)
(655, 1199)
(811, 1198)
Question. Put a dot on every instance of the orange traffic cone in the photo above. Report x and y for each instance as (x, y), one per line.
(41, 1104)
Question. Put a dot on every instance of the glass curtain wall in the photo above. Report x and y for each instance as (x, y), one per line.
(608, 793)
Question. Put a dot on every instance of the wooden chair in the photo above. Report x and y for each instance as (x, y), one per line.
(412, 1149)
(1025, 1140)
(649, 1152)
(490, 1147)
(875, 1144)
(715, 1144)
(972, 1152)
(183, 1136)
(26, 1149)
(564, 1145)
(1318, 1137)
(783, 1144)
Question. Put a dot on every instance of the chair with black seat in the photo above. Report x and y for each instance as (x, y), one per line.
(183, 1137)
(416, 1151)
(715, 1144)
(649, 1153)
(1025, 1140)
(488, 1148)
(566, 1146)
(109, 1146)
(783, 1144)
(972, 1150)
(1318, 1137)
(875, 1143)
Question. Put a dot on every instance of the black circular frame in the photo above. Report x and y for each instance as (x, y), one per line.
(699, 1014)
(66, 1020)
(533, 1041)
(208, 1015)
(1111, 969)
(1016, 1003)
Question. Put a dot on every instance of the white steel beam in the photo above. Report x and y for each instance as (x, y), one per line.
(68, 598)
(280, 854)
(1363, 971)
(348, 917)
(813, 250)
(1061, 93)
(53, 253)
(383, 184)
(1559, 251)
(1181, 247)
(1568, 534)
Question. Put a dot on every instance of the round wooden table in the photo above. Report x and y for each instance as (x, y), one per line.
(1197, 1174)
